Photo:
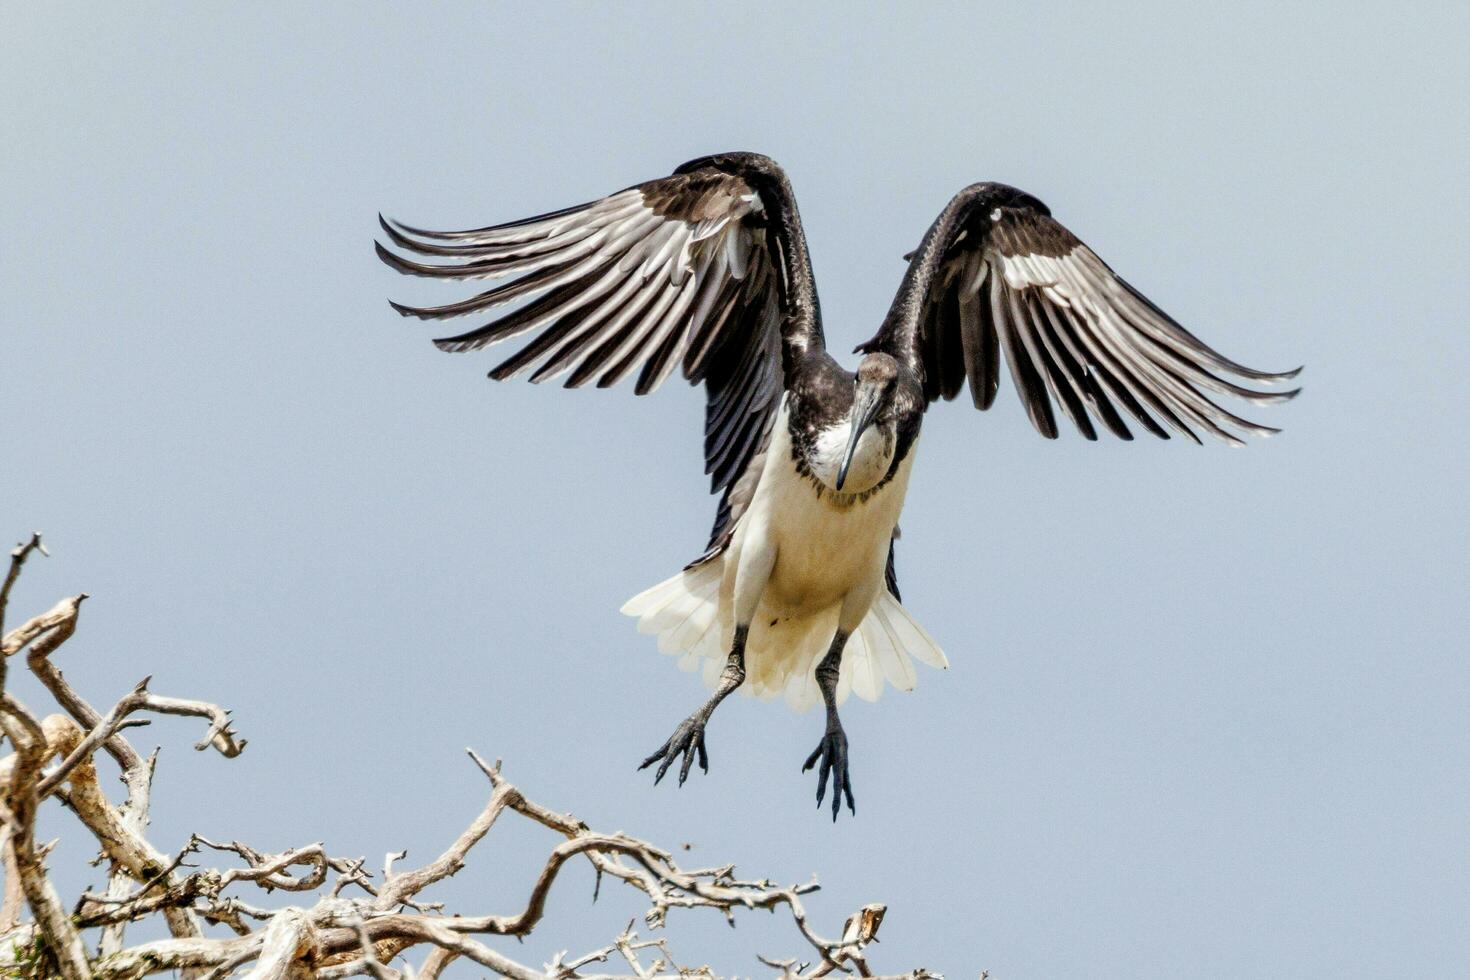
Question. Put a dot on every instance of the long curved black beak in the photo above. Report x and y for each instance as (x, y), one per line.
(865, 403)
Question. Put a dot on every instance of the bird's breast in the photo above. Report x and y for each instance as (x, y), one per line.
(826, 543)
(871, 461)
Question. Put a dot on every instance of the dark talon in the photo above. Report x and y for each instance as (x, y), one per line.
(832, 751)
(687, 740)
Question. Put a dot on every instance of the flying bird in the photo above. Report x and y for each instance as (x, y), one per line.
(706, 272)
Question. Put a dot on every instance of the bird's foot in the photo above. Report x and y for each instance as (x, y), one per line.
(832, 751)
(688, 739)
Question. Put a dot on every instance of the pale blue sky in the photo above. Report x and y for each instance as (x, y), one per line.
(1207, 715)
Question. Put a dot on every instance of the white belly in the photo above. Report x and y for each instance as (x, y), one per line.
(826, 553)
(827, 545)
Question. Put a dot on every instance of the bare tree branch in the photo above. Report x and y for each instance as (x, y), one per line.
(130, 851)
(63, 614)
(18, 556)
(350, 926)
(10, 909)
(139, 699)
(22, 800)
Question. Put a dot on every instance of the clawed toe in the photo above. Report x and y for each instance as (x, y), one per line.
(832, 752)
(688, 740)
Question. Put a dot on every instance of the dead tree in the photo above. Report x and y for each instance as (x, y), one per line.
(349, 920)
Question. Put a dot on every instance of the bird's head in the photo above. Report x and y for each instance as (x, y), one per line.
(875, 401)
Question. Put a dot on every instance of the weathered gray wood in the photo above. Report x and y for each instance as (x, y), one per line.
(355, 924)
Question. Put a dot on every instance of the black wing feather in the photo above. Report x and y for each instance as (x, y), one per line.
(995, 272)
(704, 270)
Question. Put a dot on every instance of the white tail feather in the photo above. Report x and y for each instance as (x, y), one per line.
(908, 634)
(684, 612)
(897, 667)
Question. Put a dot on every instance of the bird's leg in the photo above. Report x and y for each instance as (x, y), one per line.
(832, 750)
(688, 738)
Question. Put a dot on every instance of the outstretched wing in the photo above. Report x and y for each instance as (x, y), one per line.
(705, 270)
(996, 273)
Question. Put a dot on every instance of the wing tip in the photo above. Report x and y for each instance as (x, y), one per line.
(403, 310)
(395, 261)
(455, 345)
(1257, 397)
(984, 399)
(395, 233)
(1251, 374)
